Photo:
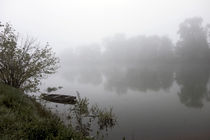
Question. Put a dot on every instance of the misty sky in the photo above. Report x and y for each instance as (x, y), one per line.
(70, 23)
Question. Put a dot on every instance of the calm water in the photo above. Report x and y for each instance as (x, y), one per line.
(151, 102)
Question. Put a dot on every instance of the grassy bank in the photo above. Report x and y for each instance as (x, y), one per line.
(21, 117)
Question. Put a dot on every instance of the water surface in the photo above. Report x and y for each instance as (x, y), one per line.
(150, 101)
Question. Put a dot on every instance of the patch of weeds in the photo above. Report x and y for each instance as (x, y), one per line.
(83, 117)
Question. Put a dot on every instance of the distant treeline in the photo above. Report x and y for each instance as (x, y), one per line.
(191, 47)
(140, 63)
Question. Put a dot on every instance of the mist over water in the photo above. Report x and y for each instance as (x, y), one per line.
(147, 59)
(158, 90)
(151, 101)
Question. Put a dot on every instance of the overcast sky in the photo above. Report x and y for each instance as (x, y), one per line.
(70, 23)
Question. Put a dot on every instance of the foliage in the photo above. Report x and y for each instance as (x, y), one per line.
(23, 63)
(192, 45)
(122, 50)
(50, 89)
(21, 117)
(85, 116)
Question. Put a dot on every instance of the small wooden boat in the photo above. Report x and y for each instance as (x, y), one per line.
(58, 98)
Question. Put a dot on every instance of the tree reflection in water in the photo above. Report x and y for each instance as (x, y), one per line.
(193, 80)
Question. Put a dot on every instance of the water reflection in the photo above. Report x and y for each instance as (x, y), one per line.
(142, 78)
(84, 75)
(121, 79)
(193, 81)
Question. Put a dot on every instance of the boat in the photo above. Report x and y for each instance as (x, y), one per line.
(58, 98)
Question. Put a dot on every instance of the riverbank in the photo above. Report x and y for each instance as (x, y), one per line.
(21, 117)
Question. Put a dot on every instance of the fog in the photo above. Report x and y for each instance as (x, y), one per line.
(69, 24)
(147, 59)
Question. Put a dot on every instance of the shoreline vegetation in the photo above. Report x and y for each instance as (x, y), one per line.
(23, 64)
(22, 117)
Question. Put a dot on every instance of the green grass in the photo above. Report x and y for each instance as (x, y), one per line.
(21, 117)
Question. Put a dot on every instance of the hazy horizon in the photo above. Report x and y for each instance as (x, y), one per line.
(69, 24)
(124, 54)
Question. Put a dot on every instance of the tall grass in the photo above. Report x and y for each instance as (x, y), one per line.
(21, 117)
